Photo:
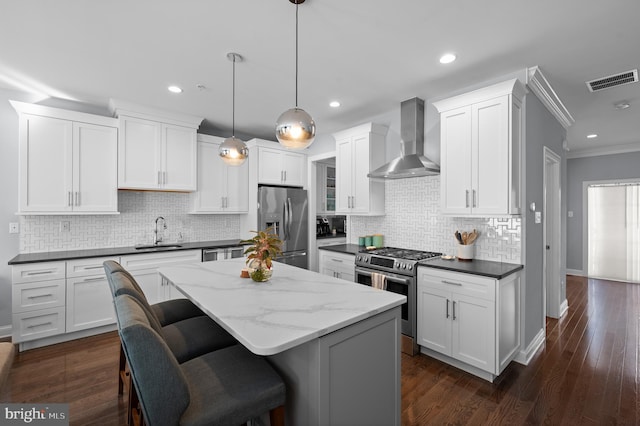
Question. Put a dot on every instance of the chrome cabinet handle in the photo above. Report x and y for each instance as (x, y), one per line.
(285, 175)
(39, 325)
(37, 296)
(86, 280)
(69, 199)
(454, 310)
(474, 198)
(92, 267)
(159, 178)
(77, 194)
(337, 260)
(165, 178)
(451, 283)
(466, 198)
(51, 271)
(447, 308)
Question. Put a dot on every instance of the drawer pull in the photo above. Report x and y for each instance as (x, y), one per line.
(451, 283)
(39, 325)
(337, 260)
(41, 272)
(86, 268)
(39, 295)
(86, 280)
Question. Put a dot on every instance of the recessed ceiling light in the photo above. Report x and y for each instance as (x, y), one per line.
(447, 58)
(334, 104)
(622, 105)
(174, 89)
(591, 136)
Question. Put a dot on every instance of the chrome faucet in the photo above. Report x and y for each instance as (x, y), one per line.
(158, 239)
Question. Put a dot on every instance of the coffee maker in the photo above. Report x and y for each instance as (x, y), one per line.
(322, 227)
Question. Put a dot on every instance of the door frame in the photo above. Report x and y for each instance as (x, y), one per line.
(552, 304)
(312, 170)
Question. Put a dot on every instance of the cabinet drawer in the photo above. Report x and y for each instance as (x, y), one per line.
(465, 284)
(87, 267)
(33, 272)
(39, 295)
(38, 324)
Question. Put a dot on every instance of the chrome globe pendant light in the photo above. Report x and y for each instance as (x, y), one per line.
(295, 128)
(233, 151)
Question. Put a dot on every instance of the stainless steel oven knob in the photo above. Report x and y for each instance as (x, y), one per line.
(410, 267)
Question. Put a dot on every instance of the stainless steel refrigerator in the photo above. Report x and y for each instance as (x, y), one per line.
(286, 210)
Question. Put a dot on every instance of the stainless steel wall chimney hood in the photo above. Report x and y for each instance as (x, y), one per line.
(412, 162)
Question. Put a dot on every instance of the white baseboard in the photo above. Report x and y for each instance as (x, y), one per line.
(525, 356)
(564, 307)
(6, 331)
(576, 272)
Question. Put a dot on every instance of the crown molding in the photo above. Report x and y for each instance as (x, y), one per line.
(606, 150)
(543, 90)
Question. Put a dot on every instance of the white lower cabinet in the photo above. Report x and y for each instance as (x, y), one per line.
(144, 268)
(89, 299)
(469, 321)
(338, 265)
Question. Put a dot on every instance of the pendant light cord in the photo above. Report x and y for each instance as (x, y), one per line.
(296, 55)
(233, 102)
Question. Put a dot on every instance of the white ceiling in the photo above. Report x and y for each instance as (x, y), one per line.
(368, 54)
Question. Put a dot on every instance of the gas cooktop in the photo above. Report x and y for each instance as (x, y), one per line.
(401, 254)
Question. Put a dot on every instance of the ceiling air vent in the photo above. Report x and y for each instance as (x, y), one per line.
(613, 80)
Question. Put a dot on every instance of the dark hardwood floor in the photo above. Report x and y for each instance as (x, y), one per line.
(587, 373)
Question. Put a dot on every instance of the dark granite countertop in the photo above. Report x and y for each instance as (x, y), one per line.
(337, 235)
(53, 256)
(343, 248)
(497, 270)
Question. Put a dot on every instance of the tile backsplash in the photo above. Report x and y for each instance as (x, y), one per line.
(134, 225)
(413, 221)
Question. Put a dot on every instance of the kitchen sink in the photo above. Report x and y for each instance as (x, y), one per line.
(159, 247)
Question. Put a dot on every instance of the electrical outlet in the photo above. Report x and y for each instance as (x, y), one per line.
(65, 226)
(14, 228)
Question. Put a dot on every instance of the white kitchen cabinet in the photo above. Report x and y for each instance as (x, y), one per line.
(221, 188)
(281, 167)
(480, 137)
(89, 299)
(38, 300)
(339, 265)
(156, 155)
(68, 161)
(144, 268)
(358, 151)
(469, 321)
(326, 189)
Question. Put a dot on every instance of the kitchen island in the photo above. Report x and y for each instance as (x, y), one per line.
(336, 344)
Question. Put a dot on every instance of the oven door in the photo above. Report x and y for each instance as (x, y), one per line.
(400, 284)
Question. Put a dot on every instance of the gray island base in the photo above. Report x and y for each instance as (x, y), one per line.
(335, 343)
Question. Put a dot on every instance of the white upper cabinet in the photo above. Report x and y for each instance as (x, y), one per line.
(68, 161)
(480, 137)
(358, 151)
(221, 188)
(281, 167)
(156, 150)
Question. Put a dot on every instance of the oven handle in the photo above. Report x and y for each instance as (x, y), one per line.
(390, 277)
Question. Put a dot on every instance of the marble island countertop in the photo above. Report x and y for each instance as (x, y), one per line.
(293, 307)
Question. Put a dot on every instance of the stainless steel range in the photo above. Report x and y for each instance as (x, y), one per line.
(399, 266)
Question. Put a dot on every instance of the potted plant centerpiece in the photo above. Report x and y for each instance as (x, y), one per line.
(265, 247)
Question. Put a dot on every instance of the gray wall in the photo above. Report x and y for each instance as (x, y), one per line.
(542, 129)
(579, 170)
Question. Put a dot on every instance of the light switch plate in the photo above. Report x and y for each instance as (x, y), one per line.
(538, 217)
(14, 228)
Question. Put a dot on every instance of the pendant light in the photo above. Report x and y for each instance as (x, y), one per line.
(233, 151)
(295, 128)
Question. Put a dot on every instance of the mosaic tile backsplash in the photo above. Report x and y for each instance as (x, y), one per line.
(134, 225)
(413, 221)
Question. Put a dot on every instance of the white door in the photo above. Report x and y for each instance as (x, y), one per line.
(179, 158)
(139, 154)
(45, 164)
(294, 166)
(552, 279)
(344, 176)
(89, 303)
(360, 164)
(434, 319)
(149, 282)
(237, 188)
(95, 172)
(473, 337)
(270, 166)
(490, 153)
(455, 148)
(211, 179)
